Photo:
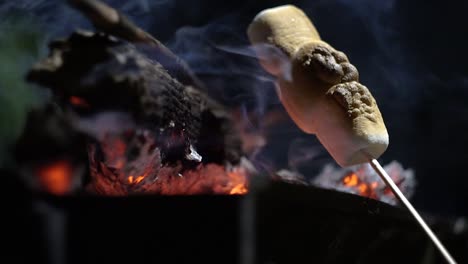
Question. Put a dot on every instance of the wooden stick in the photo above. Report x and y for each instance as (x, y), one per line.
(401, 197)
(112, 22)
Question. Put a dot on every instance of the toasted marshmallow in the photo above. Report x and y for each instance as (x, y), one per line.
(320, 89)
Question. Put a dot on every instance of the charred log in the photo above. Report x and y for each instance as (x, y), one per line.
(146, 131)
(107, 74)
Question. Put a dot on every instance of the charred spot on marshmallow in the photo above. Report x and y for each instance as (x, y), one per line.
(320, 59)
(355, 98)
(329, 65)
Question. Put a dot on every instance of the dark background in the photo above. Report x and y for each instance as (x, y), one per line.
(410, 54)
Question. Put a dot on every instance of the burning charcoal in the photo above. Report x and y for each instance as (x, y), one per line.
(362, 180)
(123, 163)
(147, 174)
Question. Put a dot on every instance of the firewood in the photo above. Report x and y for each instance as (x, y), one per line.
(94, 72)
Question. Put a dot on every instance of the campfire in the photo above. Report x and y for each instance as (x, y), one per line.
(134, 119)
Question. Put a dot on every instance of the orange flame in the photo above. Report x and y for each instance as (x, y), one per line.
(239, 189)
(135, 180)
(351, 180)
(363, 188)
(56, 177)
(130, 179)
(239, 182)
(139, 179)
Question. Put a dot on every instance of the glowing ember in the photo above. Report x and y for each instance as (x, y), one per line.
(133, 180)
(240, 183)
(351, 180)
(56, 177)
(363, 180)
(139, 179)
(113, 173)
(78, 102)
(239, 189)
(363, 188)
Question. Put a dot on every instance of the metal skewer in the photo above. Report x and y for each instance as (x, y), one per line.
(390, 183)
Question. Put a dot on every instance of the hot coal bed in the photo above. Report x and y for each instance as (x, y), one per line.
(132, 161)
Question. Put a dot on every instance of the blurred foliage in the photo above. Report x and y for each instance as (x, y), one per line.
(21, 41)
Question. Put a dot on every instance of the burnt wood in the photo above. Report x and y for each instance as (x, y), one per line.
(109, 74)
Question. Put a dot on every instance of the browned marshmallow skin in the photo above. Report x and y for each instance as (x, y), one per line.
(320, 89)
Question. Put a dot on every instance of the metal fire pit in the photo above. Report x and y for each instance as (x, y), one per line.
(275, 223)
